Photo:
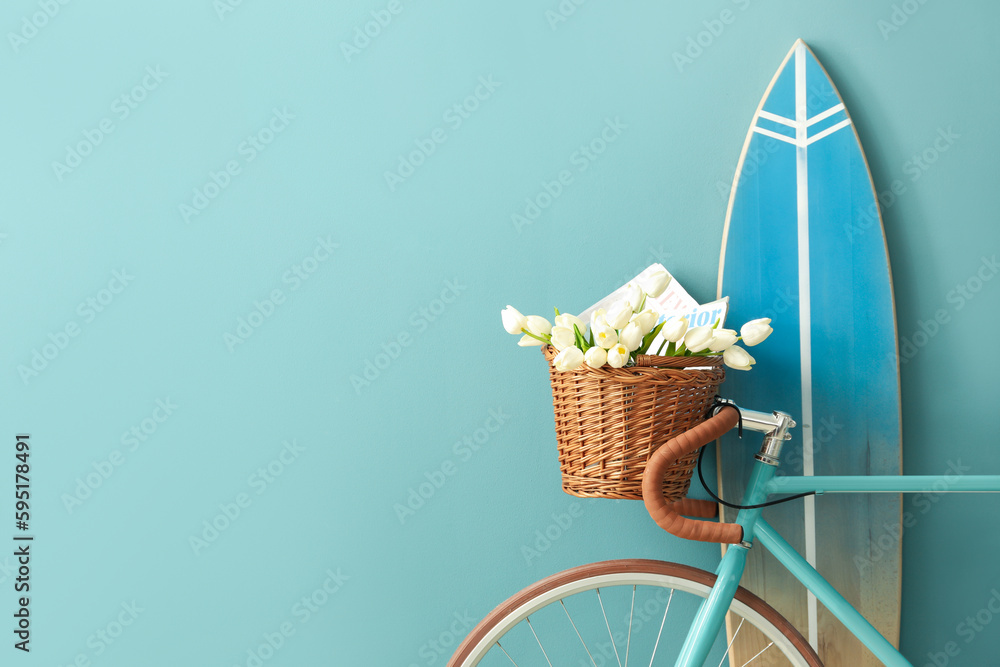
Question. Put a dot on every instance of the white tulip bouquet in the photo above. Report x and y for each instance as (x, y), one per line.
(616, 336)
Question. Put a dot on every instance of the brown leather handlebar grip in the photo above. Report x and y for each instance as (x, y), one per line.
(702, 509)
(666, 514)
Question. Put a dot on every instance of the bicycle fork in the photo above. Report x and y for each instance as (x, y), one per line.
(712, 613)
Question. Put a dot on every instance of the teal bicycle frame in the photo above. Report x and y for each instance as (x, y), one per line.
(763, 482)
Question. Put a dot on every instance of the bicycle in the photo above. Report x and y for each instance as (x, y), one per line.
(567, 615)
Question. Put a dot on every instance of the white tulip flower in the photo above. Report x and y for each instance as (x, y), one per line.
(738, 358)
(646, 320)
(654, 284)
(619, 315)
(698, 338)
(562, 338)
(568, 321)
(675, 329)
(528, 341)
(569, 359)
(513, 321)
(722, 339)
(538, 325)
(618, 356)
(596, 357)
(631, 336)
(598, 318)
(606, 337)
(755, 331)
(634, 294)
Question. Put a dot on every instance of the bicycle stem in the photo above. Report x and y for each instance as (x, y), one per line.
(774, 426)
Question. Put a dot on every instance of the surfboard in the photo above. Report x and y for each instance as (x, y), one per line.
(804, 245)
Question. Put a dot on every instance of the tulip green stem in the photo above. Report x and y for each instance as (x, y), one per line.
(581, 342)
(647, 340)
(528, 333)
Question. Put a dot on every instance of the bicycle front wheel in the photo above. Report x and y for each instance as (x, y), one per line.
(626, 612)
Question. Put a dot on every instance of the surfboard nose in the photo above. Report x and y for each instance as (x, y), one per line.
(798, 44)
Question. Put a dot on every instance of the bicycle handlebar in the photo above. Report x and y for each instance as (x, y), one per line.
(666, 514)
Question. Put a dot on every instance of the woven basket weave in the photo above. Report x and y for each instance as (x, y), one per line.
(610, 420)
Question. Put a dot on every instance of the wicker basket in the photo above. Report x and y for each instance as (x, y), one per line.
(610, 420)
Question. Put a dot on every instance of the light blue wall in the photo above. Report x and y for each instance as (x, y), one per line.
(658, 193)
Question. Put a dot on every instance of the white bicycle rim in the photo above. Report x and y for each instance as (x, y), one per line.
(664, 581)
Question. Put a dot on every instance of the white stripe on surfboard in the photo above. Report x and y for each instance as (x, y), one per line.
(828, 131)
(826, 114)
(790, 122)
(776, 118)
(776, 135)
(803, 142)
(805, 318)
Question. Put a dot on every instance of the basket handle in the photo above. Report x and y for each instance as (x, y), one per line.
(664, 512)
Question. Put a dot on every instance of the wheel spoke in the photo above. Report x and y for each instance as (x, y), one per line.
(593, 662)
(730, 644)
(507, 654)
(758, 655)
(608, 626)
(657, 644)
(628, 641)
(539, 642)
